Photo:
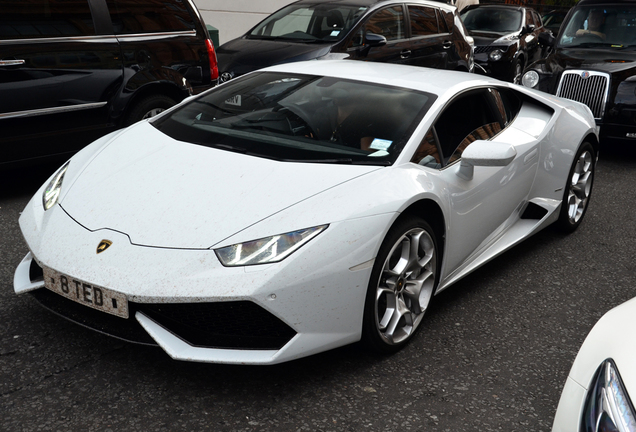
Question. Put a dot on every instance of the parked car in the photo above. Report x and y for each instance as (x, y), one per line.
(594, 62)
(506, 38)
(72, 71)
(553, 20)
(599, 392)
(302, 207)
(420, 33)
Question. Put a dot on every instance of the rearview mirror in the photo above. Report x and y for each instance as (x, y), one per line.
(484, 153)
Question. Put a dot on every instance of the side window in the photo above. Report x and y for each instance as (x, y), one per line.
(507, 103)
(470, 117)
(388, 22)
(528, 19)
(427, 154)
(423, 21)
(131, 16)
(25, 19)
(537, 19)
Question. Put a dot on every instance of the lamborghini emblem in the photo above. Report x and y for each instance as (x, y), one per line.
(103, 245)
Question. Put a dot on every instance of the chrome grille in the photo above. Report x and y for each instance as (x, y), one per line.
(587, 87)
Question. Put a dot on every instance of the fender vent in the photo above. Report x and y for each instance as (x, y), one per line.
(534, 211)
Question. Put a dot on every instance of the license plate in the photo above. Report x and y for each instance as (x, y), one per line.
(90, 295)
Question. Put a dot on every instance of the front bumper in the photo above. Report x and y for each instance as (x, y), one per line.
(186, 302)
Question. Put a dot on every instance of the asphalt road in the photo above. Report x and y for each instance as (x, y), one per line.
(493, 352)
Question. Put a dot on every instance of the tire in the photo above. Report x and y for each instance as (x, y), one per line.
(148, 107)
(578, 189)
(403, 280)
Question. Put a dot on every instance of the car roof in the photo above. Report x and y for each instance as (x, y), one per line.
(435, 81)
(370, 3)
(605, 2)
(495, 6)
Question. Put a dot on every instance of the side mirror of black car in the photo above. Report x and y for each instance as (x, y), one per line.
(528, 29)
(371, 40)
(374, 40)
(547, 39)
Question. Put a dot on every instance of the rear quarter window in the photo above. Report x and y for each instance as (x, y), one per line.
(28, 19)
(150, 16)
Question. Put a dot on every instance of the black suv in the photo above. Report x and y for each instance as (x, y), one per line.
(73, 70)
(506, 38)
(594, 62)
(420, 33)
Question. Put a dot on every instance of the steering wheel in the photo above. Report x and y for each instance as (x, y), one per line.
(590, 37)
(304, 117)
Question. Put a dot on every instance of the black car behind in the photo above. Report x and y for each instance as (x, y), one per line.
(73, 70)
(506, 38)
(594, 62)
(421, 33)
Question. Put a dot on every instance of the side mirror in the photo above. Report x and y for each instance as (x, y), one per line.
(371, 40)
(528, 29)
(374, 40)
(546, 39)
(484, 153)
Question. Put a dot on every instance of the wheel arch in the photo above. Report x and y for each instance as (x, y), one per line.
(155, 88)
(430, 211)
(591, 138)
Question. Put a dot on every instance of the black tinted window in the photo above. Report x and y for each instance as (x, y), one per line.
(150, 16)
(470, 117)
(22, 19)
(388, 22)
(423, 21)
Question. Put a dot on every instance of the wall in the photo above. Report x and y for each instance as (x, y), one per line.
(234, 17)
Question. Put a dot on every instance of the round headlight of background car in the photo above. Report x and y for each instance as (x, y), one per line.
(495, 55)
(266, 250)
(530, 79)
(52, 192)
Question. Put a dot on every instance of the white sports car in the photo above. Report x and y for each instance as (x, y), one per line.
(302, 207)
(596, 396)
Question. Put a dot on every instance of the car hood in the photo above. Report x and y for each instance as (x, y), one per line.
(610, 61)
(165, 193)
(482, 40)
(243, 55)
(613, 336)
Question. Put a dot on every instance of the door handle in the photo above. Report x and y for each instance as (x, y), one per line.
(447, 44)
(405, 53)
(11, 62)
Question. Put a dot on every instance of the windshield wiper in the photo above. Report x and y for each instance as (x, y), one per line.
(228, 148)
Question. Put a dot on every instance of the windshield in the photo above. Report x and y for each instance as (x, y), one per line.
(304, 118)
(309, 23)
(601, 26)
(492, 20)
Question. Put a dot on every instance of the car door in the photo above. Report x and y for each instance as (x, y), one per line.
(429, 39)
(485, 206)
(389, 22)
(58, 71)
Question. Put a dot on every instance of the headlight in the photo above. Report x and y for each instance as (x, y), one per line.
(608, 407)
(267, 250)
(530, 79)
(495, 55)
(52, 191)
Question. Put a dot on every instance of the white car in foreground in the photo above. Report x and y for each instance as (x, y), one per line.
(302, 207)
(596, 395)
